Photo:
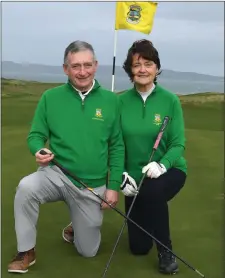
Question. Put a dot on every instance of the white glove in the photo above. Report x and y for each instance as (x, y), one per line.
(129, 186)
(154, 170)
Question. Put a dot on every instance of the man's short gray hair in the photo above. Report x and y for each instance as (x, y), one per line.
(77, 46)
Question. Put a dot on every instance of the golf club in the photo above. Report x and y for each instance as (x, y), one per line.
(160, 134)
(65, 171)
(163, 127)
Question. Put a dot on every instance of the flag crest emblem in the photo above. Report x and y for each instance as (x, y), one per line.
(134, 14)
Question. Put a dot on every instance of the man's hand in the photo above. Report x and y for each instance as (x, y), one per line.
(154, 170)
(43, 160)
(112, 197)
(129, 186)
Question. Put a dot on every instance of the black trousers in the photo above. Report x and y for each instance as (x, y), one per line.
(151, 212)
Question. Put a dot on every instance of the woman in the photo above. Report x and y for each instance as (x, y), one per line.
(142, 112)
(143, 109)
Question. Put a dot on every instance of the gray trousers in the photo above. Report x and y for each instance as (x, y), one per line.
(49, 184)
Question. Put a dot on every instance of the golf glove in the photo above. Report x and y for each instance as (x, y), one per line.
(154, 170)
(129, 186)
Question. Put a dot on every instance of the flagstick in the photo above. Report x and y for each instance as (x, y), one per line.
(114, 59)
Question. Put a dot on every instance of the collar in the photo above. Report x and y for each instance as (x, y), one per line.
(152, 90)
(146, 94)
(95, 86)
(80, 92)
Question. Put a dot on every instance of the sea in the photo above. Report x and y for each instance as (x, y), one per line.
(178, 85)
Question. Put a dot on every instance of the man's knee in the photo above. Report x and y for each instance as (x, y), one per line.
(24, 188)
(87, 245)
(87, 252)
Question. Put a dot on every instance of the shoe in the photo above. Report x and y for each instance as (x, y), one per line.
(167, 262)
(22, 261)
(68, 234)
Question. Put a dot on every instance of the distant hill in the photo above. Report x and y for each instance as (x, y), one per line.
(106, 69)
(183, 82)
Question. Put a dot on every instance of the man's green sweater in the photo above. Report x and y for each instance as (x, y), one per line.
(141, 122)
(84, 135)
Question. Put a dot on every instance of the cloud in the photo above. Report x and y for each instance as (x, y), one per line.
(188, 35)
(192, 11)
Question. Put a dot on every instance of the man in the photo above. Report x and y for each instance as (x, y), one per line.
(81, 122)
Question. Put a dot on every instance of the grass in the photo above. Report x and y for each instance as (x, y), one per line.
(196, 214)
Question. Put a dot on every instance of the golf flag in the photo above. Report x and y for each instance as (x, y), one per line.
(136, 16)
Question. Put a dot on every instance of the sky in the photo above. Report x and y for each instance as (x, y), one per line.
(188, 35)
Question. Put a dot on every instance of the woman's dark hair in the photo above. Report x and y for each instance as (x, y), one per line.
(147, 51)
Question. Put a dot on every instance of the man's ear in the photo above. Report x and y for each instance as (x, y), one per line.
(65, 68)
(96, 65)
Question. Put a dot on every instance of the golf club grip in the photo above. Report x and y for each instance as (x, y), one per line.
(163, 127)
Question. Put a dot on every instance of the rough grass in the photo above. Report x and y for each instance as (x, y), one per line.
(203, 98)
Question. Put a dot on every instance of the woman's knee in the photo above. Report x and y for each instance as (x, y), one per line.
(155, 192)
(140, 250)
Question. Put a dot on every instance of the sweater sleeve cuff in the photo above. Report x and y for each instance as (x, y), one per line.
(36, 148)
(166, 163)
(114, 185)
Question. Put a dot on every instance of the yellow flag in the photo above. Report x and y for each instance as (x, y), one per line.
(137, 16)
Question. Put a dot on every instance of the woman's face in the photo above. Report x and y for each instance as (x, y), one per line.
(144, 71)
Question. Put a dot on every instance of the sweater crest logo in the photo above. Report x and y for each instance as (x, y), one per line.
(157, 120)
(98, 115)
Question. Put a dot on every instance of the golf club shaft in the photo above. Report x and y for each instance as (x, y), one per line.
(159, 136)
(118, 211)
(124, 224)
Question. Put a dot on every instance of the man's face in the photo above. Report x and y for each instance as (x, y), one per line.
(144, 71)
(80, 68)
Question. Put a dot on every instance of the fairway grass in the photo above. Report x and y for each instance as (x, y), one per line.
(196, 214)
